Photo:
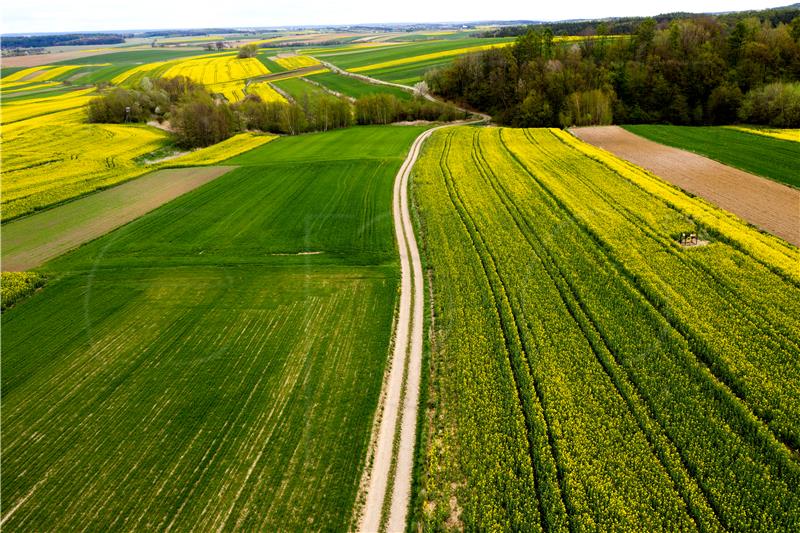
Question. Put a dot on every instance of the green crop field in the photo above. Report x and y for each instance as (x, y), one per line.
(298, 88)
(371, 56)
(771, 158)
(216, 363)
(587, 372)
(410, 73)
(355, 88)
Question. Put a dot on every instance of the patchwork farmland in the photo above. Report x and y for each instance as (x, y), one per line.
(190, 356)
(434, 277)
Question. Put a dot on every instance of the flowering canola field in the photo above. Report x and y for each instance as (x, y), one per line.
(52, 157)
(588, 372)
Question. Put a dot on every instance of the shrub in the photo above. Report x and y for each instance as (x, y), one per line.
(776, 104)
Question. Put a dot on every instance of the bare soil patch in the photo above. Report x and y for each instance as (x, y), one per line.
(30, 241)
(769, 205)
(45, 59)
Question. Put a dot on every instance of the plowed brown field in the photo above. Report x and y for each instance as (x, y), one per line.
(764, 203)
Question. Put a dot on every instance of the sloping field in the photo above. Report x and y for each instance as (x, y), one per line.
(775, 133)
(29, 242)
(587, 372)
(218, 69)
(199, 374)
(54, 157)
(761, 155)
(293, 62)
(16, 111)
(265, 91)
(356, 88)
(298, 88)
(769, 205)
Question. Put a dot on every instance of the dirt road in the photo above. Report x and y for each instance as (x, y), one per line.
(398, 417)
(764, 203)
(32, 240)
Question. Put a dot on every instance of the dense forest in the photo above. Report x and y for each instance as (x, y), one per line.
(699, 70)
(627, 25)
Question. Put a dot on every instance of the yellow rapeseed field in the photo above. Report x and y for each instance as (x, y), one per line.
(764, 247)
(20, 75)
(217, 69)
(25, 109)
(296, 61)
(26, 86)
(265, 91)
(228, 148)
(146, 67)
(54, 157)
(784, 134)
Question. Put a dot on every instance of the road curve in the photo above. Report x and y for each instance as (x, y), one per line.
(396, 433)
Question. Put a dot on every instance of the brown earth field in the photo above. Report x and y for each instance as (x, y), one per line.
(30, 241)
(768, 205)
(45, 59)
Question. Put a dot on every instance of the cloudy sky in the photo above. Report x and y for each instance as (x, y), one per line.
(86, 15)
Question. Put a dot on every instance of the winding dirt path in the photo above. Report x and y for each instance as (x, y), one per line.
(396, 432)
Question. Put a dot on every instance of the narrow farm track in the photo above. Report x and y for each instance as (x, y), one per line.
(771, 206)
(396, 432)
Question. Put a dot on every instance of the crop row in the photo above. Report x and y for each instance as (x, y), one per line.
(627, 391)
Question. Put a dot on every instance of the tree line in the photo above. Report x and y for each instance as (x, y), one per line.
(701, 70)
(627, 25)
(200, 118)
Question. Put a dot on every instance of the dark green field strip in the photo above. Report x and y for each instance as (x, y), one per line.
(356, 88)
(299, 89)
(771, 158)
(626, 387)
(200, 372)
(312, 207)
(6, 71)
(410, 73)
(366, 142)
(371, 56)
(272, 66)
(133, 57)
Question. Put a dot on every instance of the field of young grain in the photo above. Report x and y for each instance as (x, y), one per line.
(587, 371)
(762, 155)
(215, 364)
(356, 88)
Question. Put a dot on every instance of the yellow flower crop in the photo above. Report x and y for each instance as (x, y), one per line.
(51, 158)
(15, 111)
(218, 69)
(784, 134)
(766, 248)
(296, 62)
(228, 148)
(265, 91)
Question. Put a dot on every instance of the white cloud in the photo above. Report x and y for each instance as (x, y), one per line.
(90, 15)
